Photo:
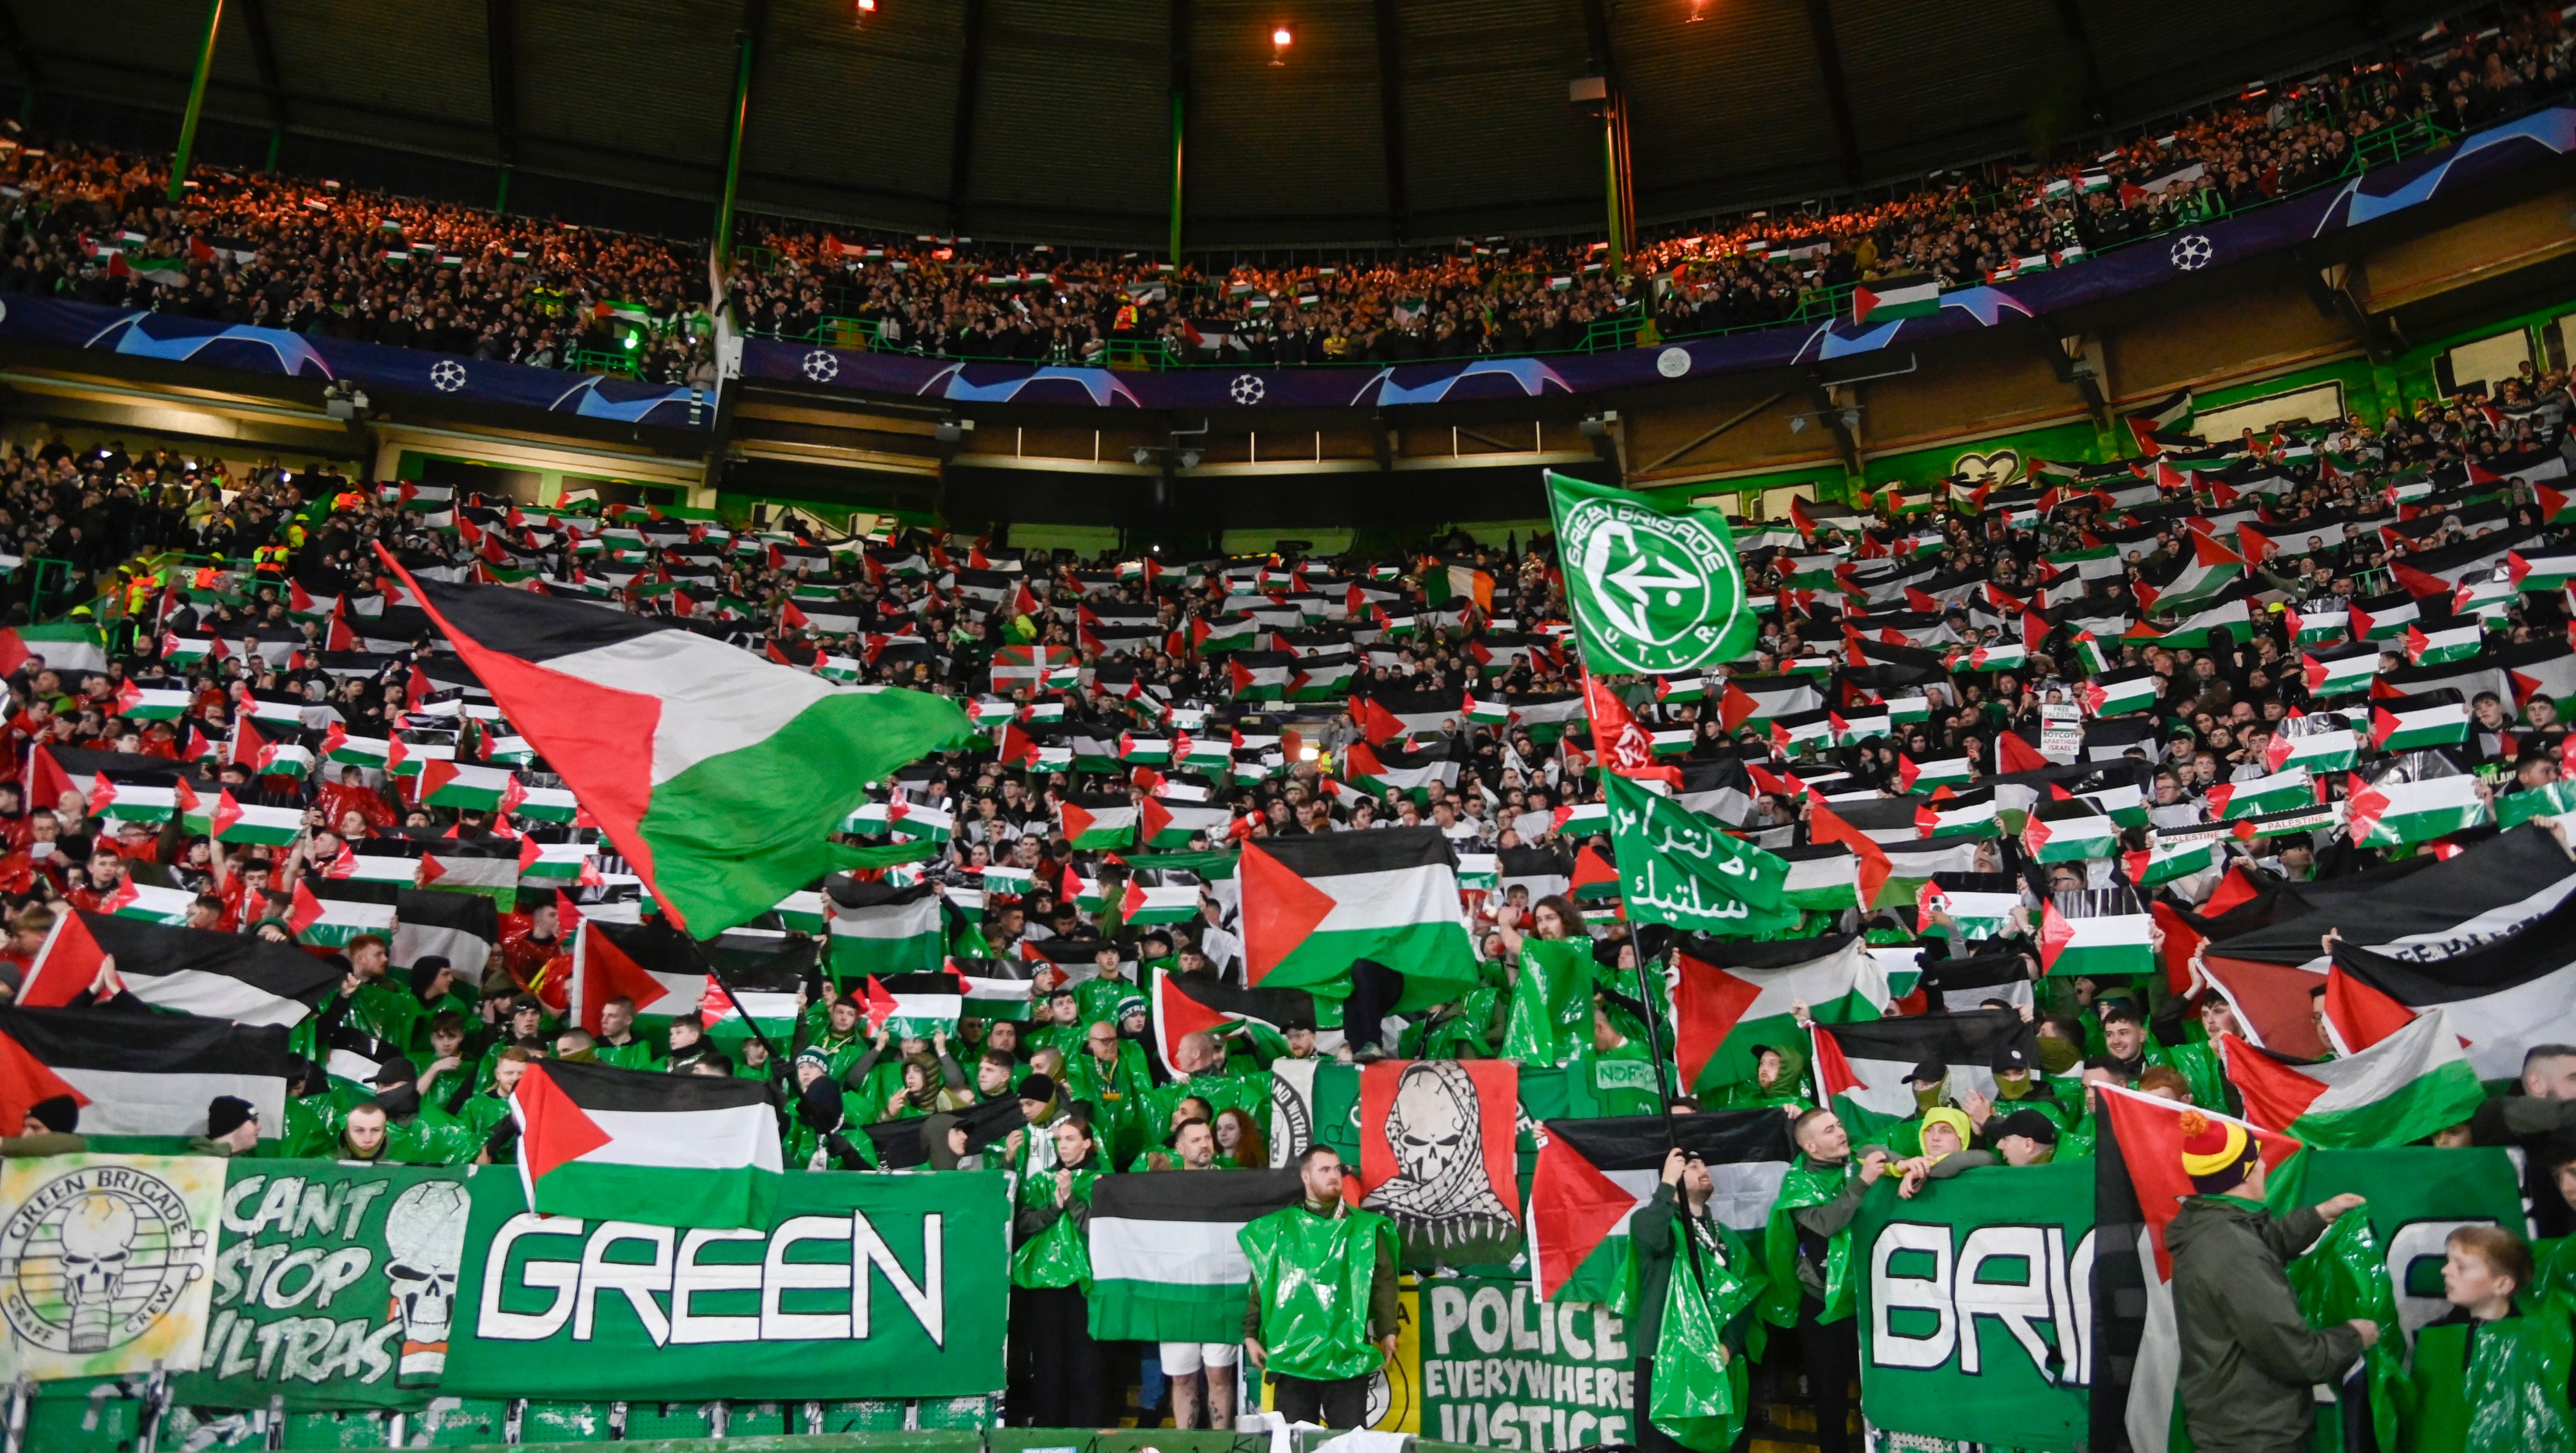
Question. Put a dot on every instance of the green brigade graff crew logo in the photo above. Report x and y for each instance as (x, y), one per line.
(95, 1257)
(1652, 592)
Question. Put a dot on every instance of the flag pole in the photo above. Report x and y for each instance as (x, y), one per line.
(715, 976)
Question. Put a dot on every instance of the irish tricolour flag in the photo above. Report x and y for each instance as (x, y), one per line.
(626, 1145)
(718, 775)
(2403, 1088)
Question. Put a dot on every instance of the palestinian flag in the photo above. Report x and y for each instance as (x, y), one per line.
(1882, 300)
(1593, 1175)
(2160, 863)
(1097, 824)
(665, 974)
(718, 775)
(2115, 693)
(1169, 825)
(878, 928)
(1861, 1070)
(2212, 568)
(2140, 1151)
(1312, 905)
(2383, 617)
(2539, 572)
(2513, 990)
(1165, 1261)
(469, 787)
(1208, 637)
(2340, 672)
(2169, 415)
(462, 928)
(1941, 772)
(145, 1077)
(2316, 623)
(1383, 769)
(1158, 902)
(152, 704)
(1733, 997)
(71, 647)
(2096, 931)
(2403, 1088)
(994, 988)
(226, 820)
(2319, 741)
(2279, 792)
(912, 1006)
(229, 976)
(607, 1144)
(2069, 831)
(2443, 644)
(2395, 813)
(1142, 751)
(1183, 1006)
(2427, 719)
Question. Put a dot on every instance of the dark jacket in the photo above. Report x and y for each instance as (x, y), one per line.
(2249, 1358)
(1655, 1234)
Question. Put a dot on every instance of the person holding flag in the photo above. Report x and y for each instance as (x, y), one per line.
(1681, 1225)
(2249, 1357)
(1807, 1255)
(1320, 1319)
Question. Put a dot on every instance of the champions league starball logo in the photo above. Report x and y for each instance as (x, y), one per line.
(1653, 593)
(96, 1256)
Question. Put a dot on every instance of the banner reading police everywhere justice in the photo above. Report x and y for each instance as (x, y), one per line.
(1502, 1369)
(1976, 1306)
(334, 1286)
(893, 1284)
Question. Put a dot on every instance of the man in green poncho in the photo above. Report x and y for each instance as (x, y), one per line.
(1320, 1320)
(1682, 1207)
(1807, 1254)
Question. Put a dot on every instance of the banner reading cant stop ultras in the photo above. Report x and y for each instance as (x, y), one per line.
(1502, 1369)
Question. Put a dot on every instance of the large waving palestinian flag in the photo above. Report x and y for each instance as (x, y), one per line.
(1733, 998)
(1313, 905)
(718, 775)
(2405, 1087)
(1592, 1175)
(2504, 995)
(140, 1077)
(628, 1145)
(185, 970)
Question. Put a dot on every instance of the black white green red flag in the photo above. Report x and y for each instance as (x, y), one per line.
(718, 775)
(608, 1144)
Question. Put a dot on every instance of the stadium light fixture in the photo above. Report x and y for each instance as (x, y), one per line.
(1280, 39)
(1699, 11)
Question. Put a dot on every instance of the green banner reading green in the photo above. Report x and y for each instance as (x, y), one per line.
(335, 1286)
(896, 1284)
(1976, 1306)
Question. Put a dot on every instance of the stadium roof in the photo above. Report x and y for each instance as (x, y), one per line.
(1051, 119)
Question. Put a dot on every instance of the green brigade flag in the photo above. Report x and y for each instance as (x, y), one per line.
(1976, 1306)
(106, 1261)
(893, 1283)
(1652, 591)
(336, 1286)
(1313, 905)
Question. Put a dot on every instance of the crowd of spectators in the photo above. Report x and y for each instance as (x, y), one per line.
(956, 617)
(318, 258)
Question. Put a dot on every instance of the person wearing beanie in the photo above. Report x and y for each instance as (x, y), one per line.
(232, 1128)
(2249, 1359)
(52, 1127)
(2024, 1137)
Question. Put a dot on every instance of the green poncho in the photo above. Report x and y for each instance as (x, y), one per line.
(1312, 1274)
(1806, 1184)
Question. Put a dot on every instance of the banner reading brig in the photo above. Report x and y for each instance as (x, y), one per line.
(895, 1284)
(1976, 1306)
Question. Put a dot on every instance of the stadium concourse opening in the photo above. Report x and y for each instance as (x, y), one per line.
(1045, 729)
